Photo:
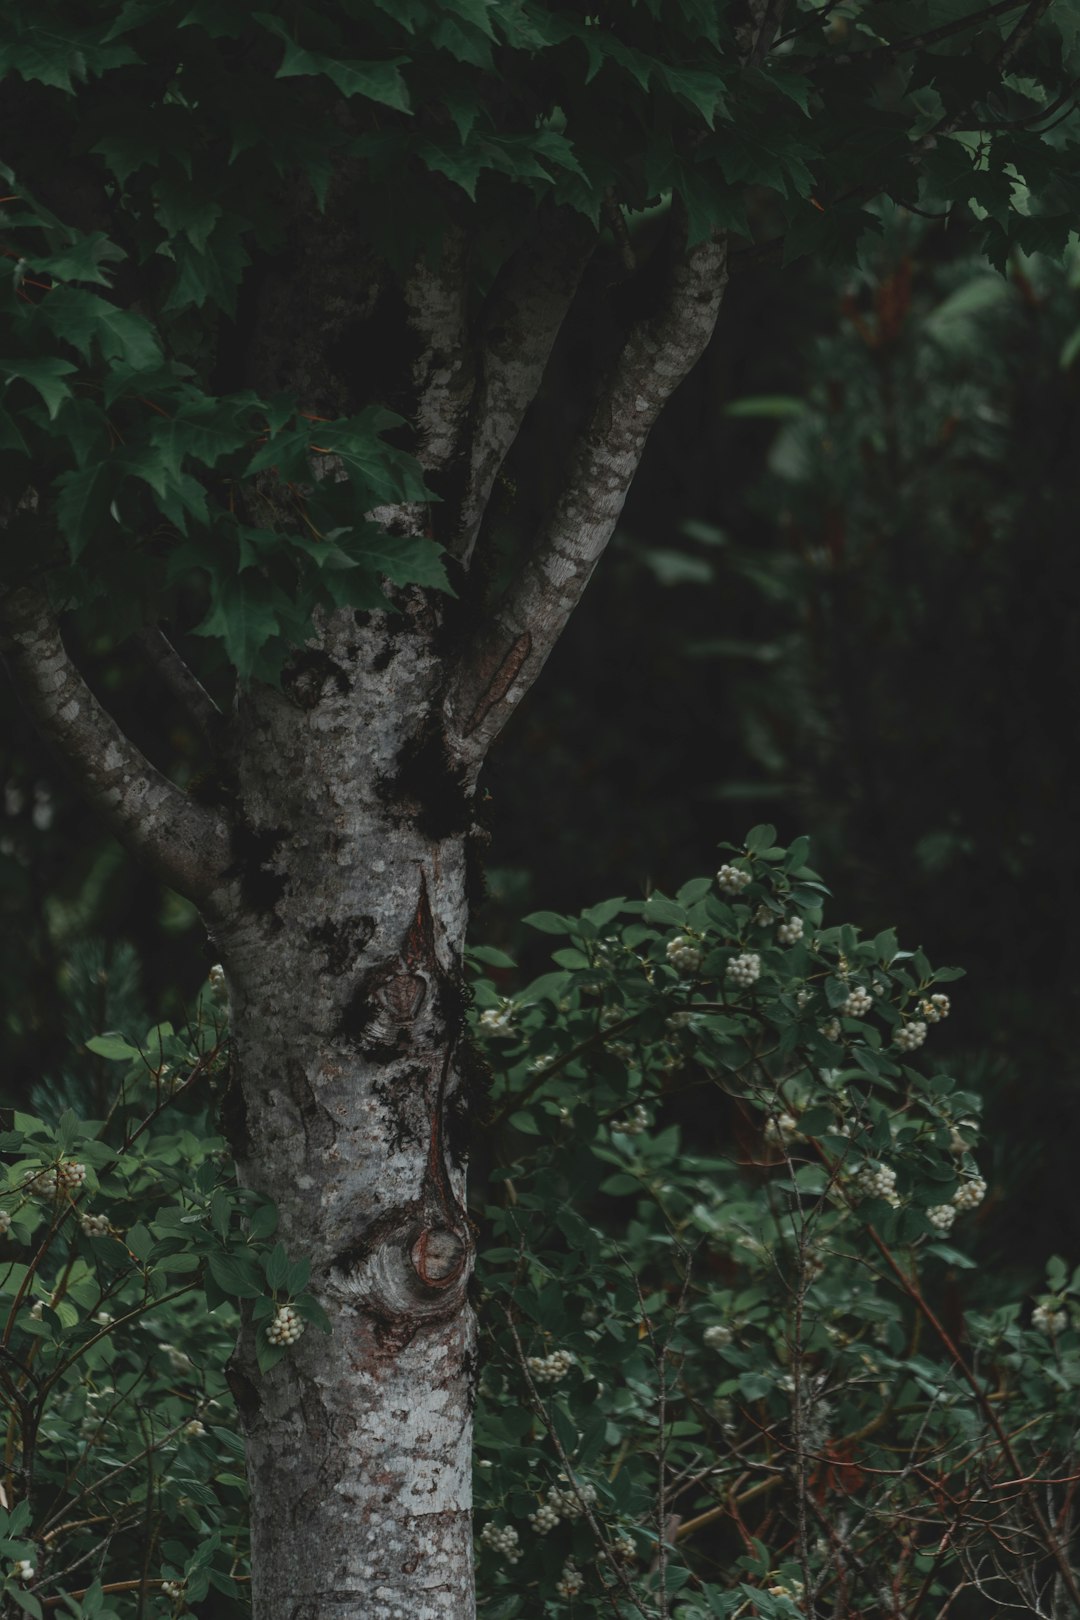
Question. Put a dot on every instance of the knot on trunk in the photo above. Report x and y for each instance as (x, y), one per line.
(404, 1272)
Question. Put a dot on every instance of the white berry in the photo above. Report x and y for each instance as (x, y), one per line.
(970, 1194)
(94, 1225)
(1044, 1319)
(858, 1003)
(285, 1327)
(831, 1029)
(744, 970)
(909, 1036)
(549, 1369)
(502, 1539)
(194, 1429)
(22, 1569)
(173, 1589)
(684, 953)
(941, 1216)
(877, 1181)
(498, 1020)
(544, 1519)
(935, 1008)
(5, 1222)
(570, 1581)
(717, 1336)
(790, 931)
(733, 879)
(636, 1123)
(782, 1130)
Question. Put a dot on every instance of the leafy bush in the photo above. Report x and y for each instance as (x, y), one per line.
(741, 1374)
(126, 1245)
(736, 1376)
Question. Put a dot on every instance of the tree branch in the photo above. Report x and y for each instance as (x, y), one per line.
(185, 843)
(184, 685)
(525, 311)
(442, 373)
(524, 626)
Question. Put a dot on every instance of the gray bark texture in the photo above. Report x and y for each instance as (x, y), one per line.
(333, 881)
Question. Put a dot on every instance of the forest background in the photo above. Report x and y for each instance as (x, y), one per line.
(842, 598)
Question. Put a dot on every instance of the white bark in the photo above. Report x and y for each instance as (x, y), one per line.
(342, 947)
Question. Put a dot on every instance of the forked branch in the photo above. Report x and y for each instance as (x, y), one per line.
(510, 651)
(184, 842)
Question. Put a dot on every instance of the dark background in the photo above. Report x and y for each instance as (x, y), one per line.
(843, 599)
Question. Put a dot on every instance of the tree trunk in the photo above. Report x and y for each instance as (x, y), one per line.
(342, 946)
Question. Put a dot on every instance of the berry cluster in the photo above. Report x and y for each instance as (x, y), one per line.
(570, 1503)
(733, 879)
(877, 1181)
(194, 1429)
(544, 1519)
(285, 1326)
(909, 1036)
(498, 1020)
(502, 1539)
(216, 978)
(790, 931)
(636, 1123)
(941, 1216)
(570, 1581)
(744, 970)
(172, 1589)
(549, 1369)
(23, 1569)
(831, 1029)
(970, 1194)
(94, 1225)
(782, 1130)
(1044, 1319)
(935, 1008)
(5, 1222)
(858, 1003)
(717, 1336)
(684, 953)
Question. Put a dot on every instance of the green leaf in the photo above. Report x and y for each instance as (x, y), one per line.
(236, 1275)
(276, 1266)
(112, 1047)
(83, 498)
(244, 616)
(43, 372)
(760, 838)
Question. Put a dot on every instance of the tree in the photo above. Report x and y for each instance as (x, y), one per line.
(333, 252)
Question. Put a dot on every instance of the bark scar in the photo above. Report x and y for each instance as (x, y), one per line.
(501, 681)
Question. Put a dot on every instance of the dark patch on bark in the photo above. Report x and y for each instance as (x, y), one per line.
(476, 888)
(376, 355)
(364, 1020)
(432, 783)
(253, 852)
(398, 1095)
(342, 942)
(307, 675)
(233, 1112)
(469, 1102)
(320, 1127)
(244, 1392)
(383, 657)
